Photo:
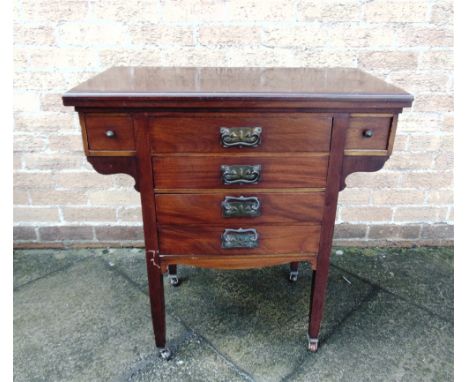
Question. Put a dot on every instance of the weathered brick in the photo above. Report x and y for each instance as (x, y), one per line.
(129, 214)
(425, 82)
(88, 214)
(435, 197)
(62, 58)
(368, 214)
(425, 143)
(295, 36)
(229, 35)
(50, 162)
(350, 231)
(24, 34)
(442, 12)
(29, 143)
(24, 233)
(33, 180)
(437, 231)
(192, 11)
(88, 180)
(413, 122)
(20, 197)
(329, 11)
(418, 36)
(433, 103)
(114, 198)
(436, 59)
(356, 196)
(119, 233)
(427, 180)
(444, 161)
(53, 102)
(34, 214)
(396, 11)
(92, 34)
(54, 10)
(322, 58)
(252, 10)
(124, 10)
(389, 60)
(49, 81)
(156, 34)
(410, 161)
(420, 214)
(392, 232)
(66, 143)
(373, 180)
(58, 197)
(65, 233)
(396, 197)
(44, 122)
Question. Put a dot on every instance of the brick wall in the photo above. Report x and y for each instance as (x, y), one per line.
(58, 43)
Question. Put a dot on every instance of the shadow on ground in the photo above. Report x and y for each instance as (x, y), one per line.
(83, 315)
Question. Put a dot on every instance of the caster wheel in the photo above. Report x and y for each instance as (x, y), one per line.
(174, 280)
(293, 276)
(313, 345)
(165, 354)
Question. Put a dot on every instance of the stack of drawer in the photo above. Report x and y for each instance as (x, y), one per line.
(239, 184)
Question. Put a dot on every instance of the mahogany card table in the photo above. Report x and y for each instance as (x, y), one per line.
(237, 167)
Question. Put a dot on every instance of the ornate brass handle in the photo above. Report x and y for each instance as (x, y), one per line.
(240, 136)
(233, 206)
(239, 238)
(240, 174)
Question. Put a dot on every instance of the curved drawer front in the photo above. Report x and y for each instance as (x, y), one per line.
(200, 172)
(229, 239)
(240, 209)
(240, 132)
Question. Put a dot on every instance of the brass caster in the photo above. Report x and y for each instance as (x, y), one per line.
(293, 276)
(174, 280)
(313, 344)
(165, 354)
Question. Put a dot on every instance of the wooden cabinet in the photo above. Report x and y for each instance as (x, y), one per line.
(237, 168)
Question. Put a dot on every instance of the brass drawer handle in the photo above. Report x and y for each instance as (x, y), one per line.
(110, 133)
(240, 136)
(239, 238)
(233, 206)
(240, 174)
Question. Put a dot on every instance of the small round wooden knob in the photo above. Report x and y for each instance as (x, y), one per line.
(110, 134)
(368, 133)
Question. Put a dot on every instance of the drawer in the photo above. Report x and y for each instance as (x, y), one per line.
(228, 132)
(202, 172)
(235, 208)
(368, 133)
(255, 240)
(109, 132)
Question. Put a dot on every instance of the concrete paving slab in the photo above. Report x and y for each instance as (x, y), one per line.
(387, 340)
(424, 276)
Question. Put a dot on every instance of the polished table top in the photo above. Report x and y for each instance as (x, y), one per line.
(190, 82)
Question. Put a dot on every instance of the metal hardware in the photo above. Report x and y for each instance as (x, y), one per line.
(165, 354)
(368, 133)
(313, 344)
(293, 276)
(240, 206)
(174, 280)
(239, 238)
(240, 136)
(110, 134)
(240, 174)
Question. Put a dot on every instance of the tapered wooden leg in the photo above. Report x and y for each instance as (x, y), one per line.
(293, 271)
(317, 295)
(173, 279)
(156, 295)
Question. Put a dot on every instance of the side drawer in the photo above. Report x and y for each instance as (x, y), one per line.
(109, 132)
(229, 133)
(208, 240)
(234, 208)
(200, 172)
(369, 133)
